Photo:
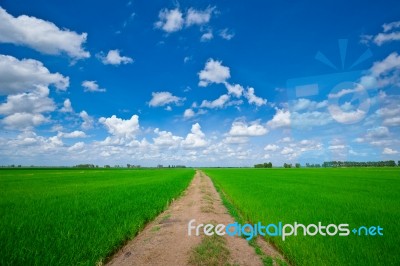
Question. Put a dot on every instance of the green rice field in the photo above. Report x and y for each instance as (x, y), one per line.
(79, 217)
(358, 197)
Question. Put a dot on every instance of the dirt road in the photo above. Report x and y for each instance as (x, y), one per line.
(165, 241)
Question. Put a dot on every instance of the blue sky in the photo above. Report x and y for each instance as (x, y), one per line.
(199, 83)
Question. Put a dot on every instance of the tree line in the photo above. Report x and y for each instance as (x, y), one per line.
(389, 163)
(332, 164)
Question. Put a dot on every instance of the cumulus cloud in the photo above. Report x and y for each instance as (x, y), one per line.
(92, 86)
(217, 103)
(315, 118)
(41, 35)
(271, 147)
(23, 121)
(195, 139)
(163, 98)
(377, 133)
(390, 115)
(166, 138)
(77, 146)
(242, 129)
(189, 113)
(170, 20)
(67, 107)
(280, 119)
(198, 17)
(390, 33)
(72, 135)
(33, 102)
(213, 72)
(207, 36)
(389, 151)
(26, 75)
(383, 73)
(235, 140)
(226, 34)
(303, 104)
(87, 120)
(113, 57)
(24, 110)
(121, 128)
(235, 89)
(253, 99)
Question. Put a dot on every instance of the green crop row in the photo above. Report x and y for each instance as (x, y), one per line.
(79, 217)
(358, 197)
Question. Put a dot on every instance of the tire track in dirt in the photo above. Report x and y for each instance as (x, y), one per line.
(165, 241)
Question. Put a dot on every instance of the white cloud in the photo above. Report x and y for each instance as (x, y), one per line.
(217, 103)
(113, 57)
(33, 102)
(189, 113)
(383, 73)
(337, 147)
(26, 75)
(41, 35)
(92, 86)
(287, 151)
(389, 151)
(77, 146)
(207, 36)
(163, 98)
(121, 128)
(24, 110)
(389, 26)
(23, 121)
(72, 135)
(198, 17)
(236, 140)
(67, 107)
(166, 138)
(314, 118)
(235, 89)
(170, 20)
(342, 114)
(253, 99)
(387, 36)
(242, 129)
(195, 139)
(280, 119)
(271, 147)
(377, 133)
(173, 20)
(87, 120)
(226, 34)
(306, 104)
(213, 72)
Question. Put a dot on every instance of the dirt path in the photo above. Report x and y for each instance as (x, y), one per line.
(165, 241)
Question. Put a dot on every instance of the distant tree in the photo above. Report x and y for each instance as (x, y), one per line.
(398, 163)
(128, 165)
(287, 165)
(107, 166)
(298, 165)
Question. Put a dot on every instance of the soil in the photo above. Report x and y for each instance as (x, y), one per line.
(165, 241)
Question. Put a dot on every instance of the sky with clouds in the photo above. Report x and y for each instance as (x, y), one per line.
(198, 83)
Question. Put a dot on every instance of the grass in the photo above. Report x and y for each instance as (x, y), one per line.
(368, 196)
(212, 251)
(79, 217)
